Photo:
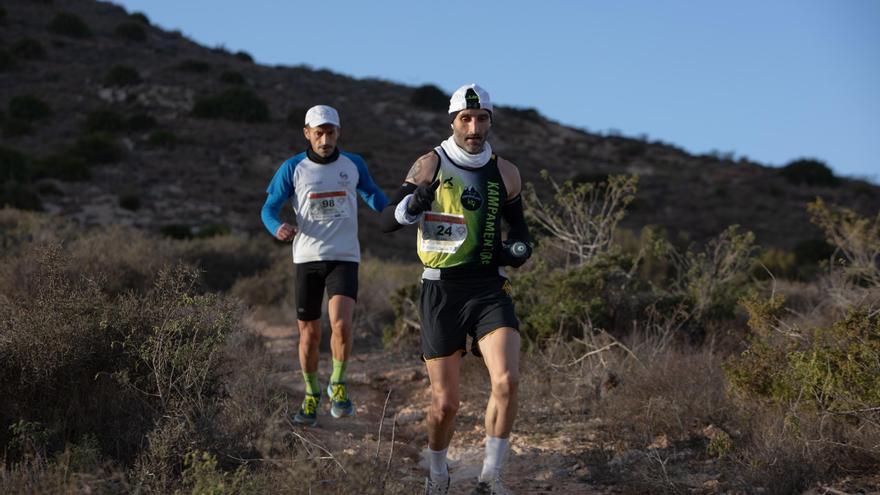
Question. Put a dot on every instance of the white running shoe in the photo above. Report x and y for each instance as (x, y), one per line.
(490, 487)
(439, 486)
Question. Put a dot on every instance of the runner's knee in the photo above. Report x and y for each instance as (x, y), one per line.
(445, 408)
(309, 337)
(340, 325)
(505, 385)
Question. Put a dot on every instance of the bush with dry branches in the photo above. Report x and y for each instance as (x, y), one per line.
(583, 216)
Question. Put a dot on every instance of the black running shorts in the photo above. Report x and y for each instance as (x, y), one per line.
(339, 277)
(451, 310)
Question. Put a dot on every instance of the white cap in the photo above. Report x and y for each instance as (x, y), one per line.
(322, 114)
(470, 96)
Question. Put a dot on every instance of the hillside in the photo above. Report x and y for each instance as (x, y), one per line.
(180, 171)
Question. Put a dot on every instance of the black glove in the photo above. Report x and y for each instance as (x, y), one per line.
(514, 253)
(422, 198)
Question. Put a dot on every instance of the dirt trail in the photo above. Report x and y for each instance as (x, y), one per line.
(538, 463)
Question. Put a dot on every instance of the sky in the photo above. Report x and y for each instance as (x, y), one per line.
(769, 80)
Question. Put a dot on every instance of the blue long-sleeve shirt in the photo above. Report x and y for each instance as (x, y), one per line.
(324, 201)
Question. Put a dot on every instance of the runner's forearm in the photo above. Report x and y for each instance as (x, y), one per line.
(388, 222)
(512, 212)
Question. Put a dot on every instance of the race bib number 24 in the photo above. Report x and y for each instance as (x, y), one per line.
(442, 232)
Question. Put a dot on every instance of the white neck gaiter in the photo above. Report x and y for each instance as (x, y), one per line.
(465, 159)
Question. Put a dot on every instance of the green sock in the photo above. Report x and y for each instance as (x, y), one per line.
(338, 375)
(311, 383)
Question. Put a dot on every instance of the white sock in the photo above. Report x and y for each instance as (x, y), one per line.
(496, 451)
(437, 458)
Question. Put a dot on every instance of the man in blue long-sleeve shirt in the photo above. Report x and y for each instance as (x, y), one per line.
(323, 183)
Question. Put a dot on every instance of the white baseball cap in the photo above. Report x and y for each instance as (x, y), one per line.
(470, 96)
(322, 114)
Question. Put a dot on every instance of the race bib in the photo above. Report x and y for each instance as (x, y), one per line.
(442, 232)
(328, 205)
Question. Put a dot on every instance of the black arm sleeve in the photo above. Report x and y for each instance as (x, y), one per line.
(512, 213)
(387, 222)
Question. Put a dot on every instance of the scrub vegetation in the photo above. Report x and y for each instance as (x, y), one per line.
(665, 349)
(130, 363)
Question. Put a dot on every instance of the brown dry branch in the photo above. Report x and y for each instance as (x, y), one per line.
(853, 278)
(583, 217)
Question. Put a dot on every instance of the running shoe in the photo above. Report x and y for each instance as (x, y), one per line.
(490, 487)
(308, 411)
(340, 405)
(438, 487)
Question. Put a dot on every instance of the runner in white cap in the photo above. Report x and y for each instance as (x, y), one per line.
(323, 183)
(457, 194)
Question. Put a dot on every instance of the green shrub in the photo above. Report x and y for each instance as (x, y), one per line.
(429, 97)
(122, 75)
(17, 127)
(569, 301)
(140, 17)
(714, 279)
(130, 202)
(810, 172)
(97, 149)
(64, 166)
(201, 475)
(162, 139)
(15, 176)
(235, 104)
(244, 56)
(68, 24)
(404, 331)
(812, 251)
(111, 366)
(28, 49)
(105, 121)
(49, 189)
(177, 231)
(827, 369)
(7, 61)
(629, 149)
(223, 258)
(131, 31)
(776, 263)
(192, 65)
(29, 108)
(13, 165)
(2, 16)
(211, 230)
(857, 248)
(231, 77)
(140, 122)
(19, 195)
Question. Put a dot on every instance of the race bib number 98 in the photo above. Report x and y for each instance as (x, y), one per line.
(328, 205)
(442, 232)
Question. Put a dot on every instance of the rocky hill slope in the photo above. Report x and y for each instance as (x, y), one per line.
(108, 119)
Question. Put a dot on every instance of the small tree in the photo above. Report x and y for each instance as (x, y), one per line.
(854, 273)
(713, 280)
(809, 171)
(584, 216)
(71, 25)
(122, 75)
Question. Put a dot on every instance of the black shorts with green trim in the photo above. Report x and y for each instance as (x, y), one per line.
(450, 310)
(338, 277)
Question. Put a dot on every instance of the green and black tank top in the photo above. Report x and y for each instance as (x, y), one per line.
(463, 228)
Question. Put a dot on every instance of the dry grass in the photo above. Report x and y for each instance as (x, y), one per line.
(82, 338)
